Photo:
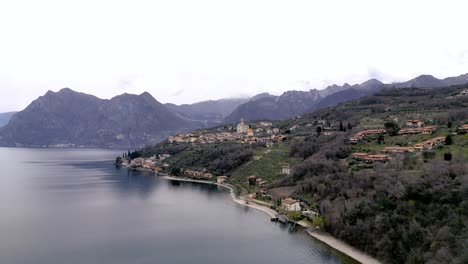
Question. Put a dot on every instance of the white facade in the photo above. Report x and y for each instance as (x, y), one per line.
(242, 127)
(290, 204)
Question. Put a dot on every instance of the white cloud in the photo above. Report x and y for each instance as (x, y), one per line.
(216, 49)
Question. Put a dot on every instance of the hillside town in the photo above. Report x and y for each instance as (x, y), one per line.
(263, 132)
(413, 127)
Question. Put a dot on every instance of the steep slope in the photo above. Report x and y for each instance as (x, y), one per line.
(68, 117)
(5, 118)
(289, 104)
(352, 92)
(294, 103)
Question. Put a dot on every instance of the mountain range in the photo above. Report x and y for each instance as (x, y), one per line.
(210, 112)
(69, 118)
(293, 103)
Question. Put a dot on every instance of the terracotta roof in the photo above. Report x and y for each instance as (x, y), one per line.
(289, 201)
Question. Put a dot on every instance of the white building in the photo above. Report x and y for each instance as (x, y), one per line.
(242, 127)
(286, 170)
(265, 124)
(289, 204)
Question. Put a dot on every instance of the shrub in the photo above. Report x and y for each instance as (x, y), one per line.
(448, 156)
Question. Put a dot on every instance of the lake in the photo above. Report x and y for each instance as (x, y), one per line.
(74, 206)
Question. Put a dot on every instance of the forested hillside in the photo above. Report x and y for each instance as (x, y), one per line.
(388, 173)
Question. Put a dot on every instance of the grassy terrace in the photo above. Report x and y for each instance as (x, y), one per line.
(266, 164)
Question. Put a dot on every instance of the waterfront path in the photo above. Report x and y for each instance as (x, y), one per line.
(324, 237)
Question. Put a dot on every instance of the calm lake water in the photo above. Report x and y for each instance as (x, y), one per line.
(73, 206)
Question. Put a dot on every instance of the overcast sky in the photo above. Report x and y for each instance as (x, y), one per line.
(187, 51)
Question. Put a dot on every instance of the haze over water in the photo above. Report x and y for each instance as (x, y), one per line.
(73, 206)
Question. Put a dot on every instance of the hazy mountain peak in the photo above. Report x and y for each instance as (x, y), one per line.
(372, 82)
(146, 94)
(426, 77)
(66, 90)
(260, 96)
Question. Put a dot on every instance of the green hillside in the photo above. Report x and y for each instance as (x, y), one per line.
(400, 196)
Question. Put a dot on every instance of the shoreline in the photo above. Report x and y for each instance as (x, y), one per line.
(272, 213)
(326, 238)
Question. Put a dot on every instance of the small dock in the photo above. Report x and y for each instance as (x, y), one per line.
(282, 219)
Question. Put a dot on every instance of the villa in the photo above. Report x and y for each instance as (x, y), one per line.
(463, 128)
(429, 144)
(414, 123)
(289, 204)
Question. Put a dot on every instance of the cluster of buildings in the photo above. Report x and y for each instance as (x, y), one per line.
(198, 174)
(360, 135)
(154, 163)
(429, 144)
(413, 127)
(417, 130)
(370, 158)
(244, 133)
(418, 147)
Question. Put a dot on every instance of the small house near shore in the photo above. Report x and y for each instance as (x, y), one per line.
(290, 204)
(221, 179)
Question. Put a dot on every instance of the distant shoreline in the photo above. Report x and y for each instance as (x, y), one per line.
(331, 241)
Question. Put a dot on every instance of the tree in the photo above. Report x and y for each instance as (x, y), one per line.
(349, 126)
(175, 171)
(448, 156)
(118, 161)
(448, 140)
(381, 139)
(134, 155)
(392, 128)
(449, 124)
(318, 130)
(341, 126)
